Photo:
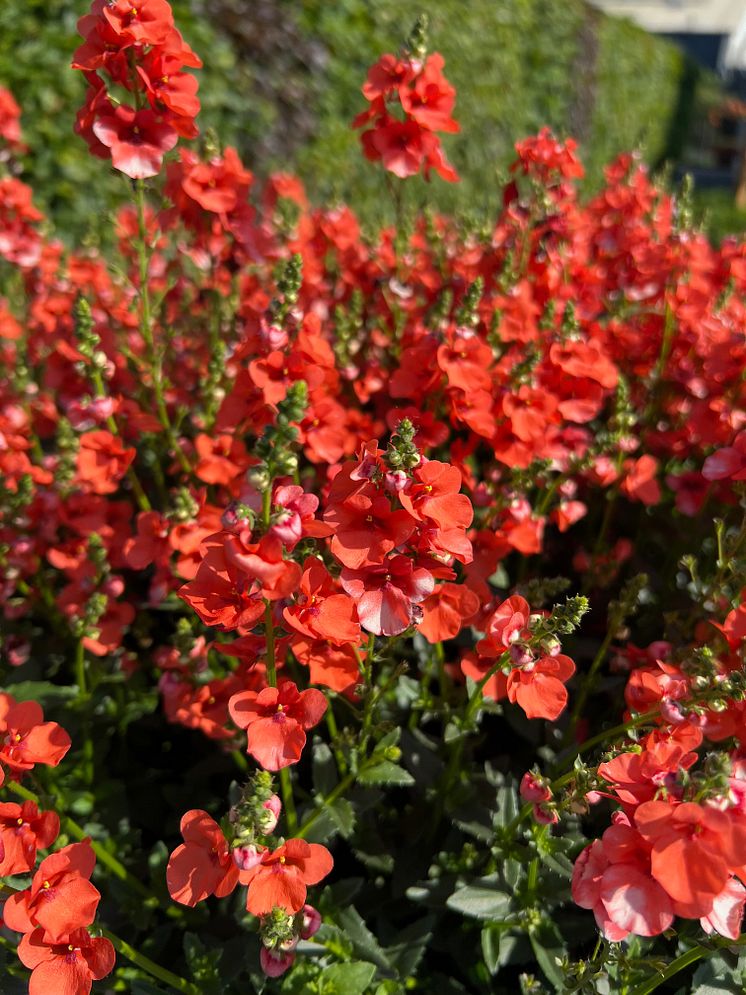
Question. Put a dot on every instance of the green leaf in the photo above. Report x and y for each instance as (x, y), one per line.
(491, 948)
(548, 947)
(363, 941)
(386, 772)
(325, 776)
(40, 691)
(481, 900)
(346, 979)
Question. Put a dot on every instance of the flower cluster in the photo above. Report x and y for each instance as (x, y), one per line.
(410, 102)
(138, 49)
(54, 912)
(213, 860)
(321, 495)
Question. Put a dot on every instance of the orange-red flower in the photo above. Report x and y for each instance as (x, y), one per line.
(102, 461)
(276, 720)
(23, 830)
(60, 898)
(282, 877)
(320, 610)
(202, 865)
(539, 688)
(69, 965)
(26, 739)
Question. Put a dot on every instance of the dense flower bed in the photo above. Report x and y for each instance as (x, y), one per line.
(401, 572)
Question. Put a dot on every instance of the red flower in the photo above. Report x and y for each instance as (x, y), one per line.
(612, 877)
(26, 739)
(60, 898)
(102, 461)
(694, 848)
(276, 720)
(144, 22)
(23, 830)
(366, 528)
(507, 624)
(281, 879)
(729, 462)
(538, 687)
(138, 140)
(640, 482)
(69, 966)
(446, 610)
(334, 667)
(386, 596)
(203, 864)
(430, 98)
(233, 579)
(320, 611)
(151, 544)
(433, 493)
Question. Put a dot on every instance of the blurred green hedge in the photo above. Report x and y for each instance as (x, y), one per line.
(282, 81)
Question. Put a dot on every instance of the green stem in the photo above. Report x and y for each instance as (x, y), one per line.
(331, 725)
(589, 680)
(149, 966)
(682, 962)
(80, 678)
(269, 635)
(88, 768)
(333, 795)
(155, 356)
(472, 706)
(288, 802)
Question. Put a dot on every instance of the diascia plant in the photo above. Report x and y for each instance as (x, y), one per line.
(389, 588)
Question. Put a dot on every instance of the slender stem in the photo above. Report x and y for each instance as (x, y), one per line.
(149, 966)
(472, 706)
(140, 495)
(589, 680)
(333, 795)
(83, 696)
(80, 677)
(269, 635)
(681, 962)
(146, 326)
(331, 725)
(240, 760)
(288, 802)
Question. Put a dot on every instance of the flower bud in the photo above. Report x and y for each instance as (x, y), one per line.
(311, 922)
(275, 963)
(270, 816)
(533, 788)
(545, 815)
(246, 857)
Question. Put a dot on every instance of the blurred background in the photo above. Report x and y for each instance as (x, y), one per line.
(282, 82)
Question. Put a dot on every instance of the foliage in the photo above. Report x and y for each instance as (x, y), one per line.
(282, 83)
(372, 607)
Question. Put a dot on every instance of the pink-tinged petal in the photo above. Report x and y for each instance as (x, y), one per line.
(384, 612)
(727, 911)
(634, 901)
(724, 463)
(586, 875)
